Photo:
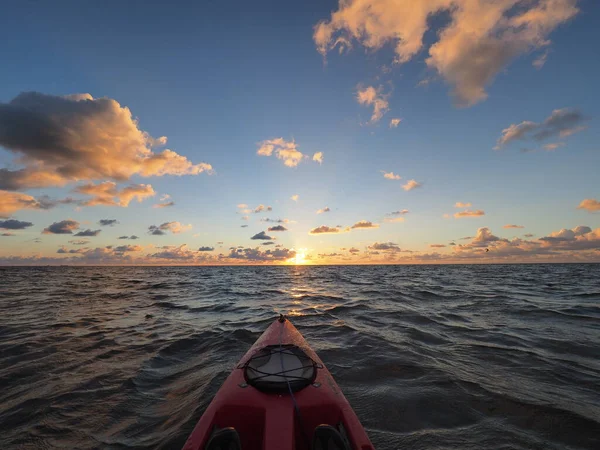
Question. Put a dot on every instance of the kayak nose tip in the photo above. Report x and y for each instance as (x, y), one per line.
(281, 318)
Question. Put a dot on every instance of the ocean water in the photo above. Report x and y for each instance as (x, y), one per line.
(430, 357)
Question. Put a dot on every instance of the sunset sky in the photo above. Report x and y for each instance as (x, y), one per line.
(315, 132)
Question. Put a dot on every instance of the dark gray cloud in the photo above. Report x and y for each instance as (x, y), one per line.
(277, 228)
(88, 233)
(206, 249)
(79, 242)
(560, 124)
(324, 229)
(268, 243)
(244, 226)
(262, 236)
(128, 237)
(156, 231)
(108, 222)
(13, 224)
(386, 246)
(275, 220)
(62, 227)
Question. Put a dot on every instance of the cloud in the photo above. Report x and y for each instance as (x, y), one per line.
(180, 253)
(277, 228)
(78, 138)
(395, 122)
(323, 210)
(128, 248)
(363, 224)
(410, 185)
(63, 227)
(128, 237)
(79, 242)
(513, 226)
(371, 96)
(529, 235)
(268, 243)
(173, 227)
(539, 62)
(589, 204)
(88, 233)
(254, 254)
(8, 234)
(469, 213)
(164, 205)
(287, 151)
(107, 193)
(324, 229)
(354, 250)
(399, 212)
(295, 197)
(206, 249)
(390, 175)
(262, 236)
(318, 157)
(242, 205)
(11, 202)
(384, 246)
(394, 219)
(108, 222)
(261, 208)
(561, 123)
(13, 224)
(479, 39)
(437, 245)
(244, 226)
(462, 205)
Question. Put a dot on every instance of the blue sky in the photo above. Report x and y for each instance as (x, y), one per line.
(219, 78)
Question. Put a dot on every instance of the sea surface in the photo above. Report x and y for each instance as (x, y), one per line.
(430, 357)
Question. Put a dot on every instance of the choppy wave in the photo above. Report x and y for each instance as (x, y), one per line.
(430, 357)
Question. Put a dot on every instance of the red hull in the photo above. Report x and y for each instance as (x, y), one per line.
(268, 421)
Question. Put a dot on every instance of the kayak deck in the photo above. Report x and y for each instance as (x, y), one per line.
(279, 420)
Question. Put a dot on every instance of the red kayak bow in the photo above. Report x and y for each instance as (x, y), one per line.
(279, 397)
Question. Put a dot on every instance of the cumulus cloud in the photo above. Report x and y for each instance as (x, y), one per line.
(590, 204)
(374, 97)
(395, 122)
(164, 205)
(277, 228)
(384, 246)
(11, 202)
(206, 249)
(561, 123)
(255, 254)
(173, 227)
(364, 224)
(354, 251)
(107, 193)
(13, 224)
(128, 237)
(287, 151)
(462, 205)
(324, 229)
(390, 175)
(478, 41)
(88, 233)
(323, 210)
(78, 138)
(410, 185)
(469, 213)
(179, 253)
(108, 222)
(513, 226)
(318, 157)
(262, 236)
(63, 227)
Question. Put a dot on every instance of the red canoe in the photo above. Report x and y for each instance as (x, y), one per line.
(279, 397)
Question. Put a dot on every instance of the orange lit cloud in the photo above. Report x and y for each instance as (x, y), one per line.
(323, 210)
(173, 227)
(513, 226)
(107, 193)
(469, 213)
(390, 175)
(364, 224)
(462, 205)
(324, 229)
(395, 122)
(370, 96)
(479, 40)
(590, 204)
(287, 151)
(318, 157)
(78, 138)
(410, 185)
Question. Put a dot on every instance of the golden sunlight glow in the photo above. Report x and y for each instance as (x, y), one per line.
(300, 257)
